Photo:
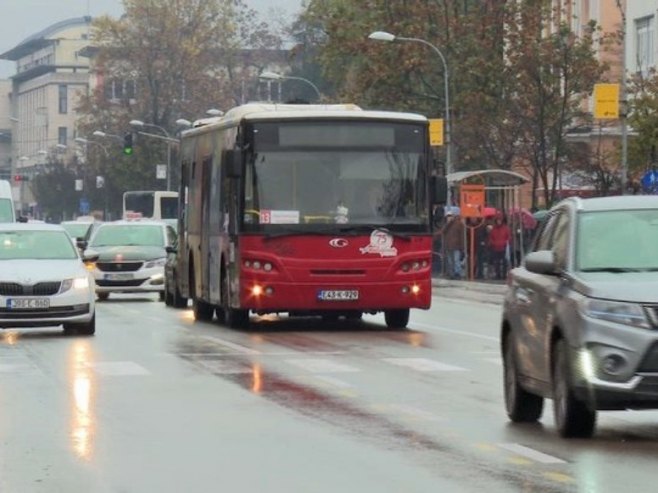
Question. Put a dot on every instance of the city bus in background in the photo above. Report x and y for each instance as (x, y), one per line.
(7, 213)
(151, 204)
(306, 210)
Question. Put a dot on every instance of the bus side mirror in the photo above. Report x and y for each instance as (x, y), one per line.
(233, 163)
(439, 189)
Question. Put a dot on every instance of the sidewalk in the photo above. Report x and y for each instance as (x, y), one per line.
(483, 292)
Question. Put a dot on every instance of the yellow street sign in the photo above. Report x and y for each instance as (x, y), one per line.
(606, 101)
(436, 131)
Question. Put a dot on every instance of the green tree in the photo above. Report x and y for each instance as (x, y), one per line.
(161, 61)
(643, 119)
(517, 76)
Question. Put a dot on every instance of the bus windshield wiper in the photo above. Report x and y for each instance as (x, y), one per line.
(299, 231)
(368, 228)
(615, 270)
(333, 231)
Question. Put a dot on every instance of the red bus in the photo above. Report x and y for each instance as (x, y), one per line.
(306, 210)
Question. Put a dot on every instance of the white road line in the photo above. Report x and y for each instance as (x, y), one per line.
(414, 412)
(19, 368)
(118, 368)
(224, 367)
(321, 366)
(531, 454)
(453, 331)
(334, 382)
(236, 347)
(423, 364)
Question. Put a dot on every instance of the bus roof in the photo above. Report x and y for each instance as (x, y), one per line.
(270, 111)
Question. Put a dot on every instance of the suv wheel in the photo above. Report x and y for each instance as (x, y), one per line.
(573, 417)
(521, 405)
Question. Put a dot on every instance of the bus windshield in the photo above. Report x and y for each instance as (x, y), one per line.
(152, 204)
(356, 173)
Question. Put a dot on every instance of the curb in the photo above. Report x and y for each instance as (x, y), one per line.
(481, 292)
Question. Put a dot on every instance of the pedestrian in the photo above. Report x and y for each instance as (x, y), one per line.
(453, 245)
(498, 242)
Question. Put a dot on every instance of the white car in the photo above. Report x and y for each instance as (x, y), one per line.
(131, 256)
(43, 280)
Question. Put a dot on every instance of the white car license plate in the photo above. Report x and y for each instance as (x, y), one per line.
(123, 276)
(338, 295)
(28, 303)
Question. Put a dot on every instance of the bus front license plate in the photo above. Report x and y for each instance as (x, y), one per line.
(338, 295)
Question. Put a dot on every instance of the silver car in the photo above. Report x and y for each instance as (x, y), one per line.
(580, 318)
(131, 256)
(43, 280)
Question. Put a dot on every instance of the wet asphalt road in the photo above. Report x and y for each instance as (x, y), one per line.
(156, 402)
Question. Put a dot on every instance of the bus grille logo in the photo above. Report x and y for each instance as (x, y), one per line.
(338, 242)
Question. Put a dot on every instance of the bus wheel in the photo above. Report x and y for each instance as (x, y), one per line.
(397, 319)
(177, 299)
(234, 318)
(202, 310)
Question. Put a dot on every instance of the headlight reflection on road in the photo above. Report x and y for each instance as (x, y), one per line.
(83, 386)
(10, 337)
(257, 378)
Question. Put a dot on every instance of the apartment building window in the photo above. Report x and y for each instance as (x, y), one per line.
(61, 135)
(116, 89)
(63, 99)
(644, 43)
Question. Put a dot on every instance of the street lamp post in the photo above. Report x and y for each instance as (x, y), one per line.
(86, 143)
(274, 76)
(384, 36)
(139, 123)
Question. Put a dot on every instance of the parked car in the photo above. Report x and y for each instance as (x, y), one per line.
(131, 256)
(43, 280)
(81, 228)
(173, 296)
(580, 318)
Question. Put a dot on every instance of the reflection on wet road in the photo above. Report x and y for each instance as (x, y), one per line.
(158, 402)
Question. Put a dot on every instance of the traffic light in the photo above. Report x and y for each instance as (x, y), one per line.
(128, 144)
(18, 178)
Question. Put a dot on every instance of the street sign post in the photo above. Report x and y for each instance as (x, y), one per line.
(161, 171)
(606, 101)
(436, 131)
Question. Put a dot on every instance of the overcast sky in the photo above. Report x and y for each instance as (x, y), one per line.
(20, 19)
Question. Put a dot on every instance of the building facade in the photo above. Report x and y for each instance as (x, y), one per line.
(50, 77)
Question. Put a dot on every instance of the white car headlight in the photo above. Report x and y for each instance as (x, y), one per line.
(77, 283)
(618, 312)
(158, 262)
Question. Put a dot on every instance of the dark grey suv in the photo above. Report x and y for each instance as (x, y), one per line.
(580, 319)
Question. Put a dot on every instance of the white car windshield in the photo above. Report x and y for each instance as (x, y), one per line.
(38, 245)
(128, 235)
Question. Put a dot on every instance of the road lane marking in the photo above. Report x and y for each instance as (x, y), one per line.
(531, 454)
(236, 347)
(423, 364)
(453, 331)
(334, 382)
(23, 368)
(559, 477)
(412, 412)
(118, 368)
(317, 365)
(224, 367)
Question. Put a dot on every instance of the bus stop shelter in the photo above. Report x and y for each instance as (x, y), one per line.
(498, 192)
